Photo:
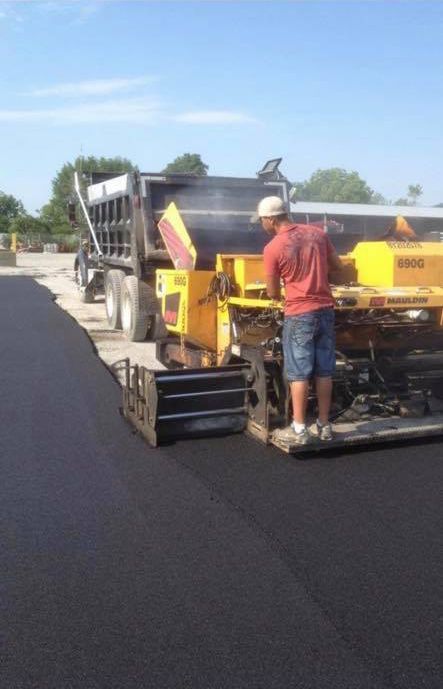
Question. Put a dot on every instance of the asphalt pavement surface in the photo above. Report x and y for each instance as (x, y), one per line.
(212, 563)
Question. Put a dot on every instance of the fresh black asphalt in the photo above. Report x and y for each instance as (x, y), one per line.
(214, 563)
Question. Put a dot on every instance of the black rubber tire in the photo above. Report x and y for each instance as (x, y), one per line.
(437, 388)
(156, 328)
(113, 293)
(87, 296)
(156, 325)
(134, 310)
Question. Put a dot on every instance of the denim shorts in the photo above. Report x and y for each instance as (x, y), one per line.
(309, 345)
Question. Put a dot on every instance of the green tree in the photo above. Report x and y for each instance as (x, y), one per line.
(28, 224)
(333, 185)
(414, 193)
(54, 213)
(379, 199)
(10, 208)
(188, 162)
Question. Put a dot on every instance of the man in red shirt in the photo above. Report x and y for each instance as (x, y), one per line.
(301, 256)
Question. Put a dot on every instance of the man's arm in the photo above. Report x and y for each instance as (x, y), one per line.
(273, 286)
(272, 272)
(334, 261)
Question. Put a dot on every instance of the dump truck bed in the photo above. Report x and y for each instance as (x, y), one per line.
(217, 212)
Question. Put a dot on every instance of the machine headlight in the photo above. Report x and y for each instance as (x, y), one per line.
(421, 315)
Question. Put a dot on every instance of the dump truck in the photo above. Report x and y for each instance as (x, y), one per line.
(127, 246)
(221, 344)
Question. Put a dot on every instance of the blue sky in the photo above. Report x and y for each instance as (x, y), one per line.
(353, 84)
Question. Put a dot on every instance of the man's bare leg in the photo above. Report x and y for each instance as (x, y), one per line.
(299, 393)
(323, 388)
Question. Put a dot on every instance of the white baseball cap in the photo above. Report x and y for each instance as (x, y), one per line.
(269, 207)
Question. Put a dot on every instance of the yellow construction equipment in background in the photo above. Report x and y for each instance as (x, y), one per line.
(8, 257)
(14, 242)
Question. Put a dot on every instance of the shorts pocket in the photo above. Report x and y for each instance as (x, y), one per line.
(302, 331)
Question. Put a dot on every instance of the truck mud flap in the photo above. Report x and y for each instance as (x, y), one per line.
(185, 403)
(383, 430)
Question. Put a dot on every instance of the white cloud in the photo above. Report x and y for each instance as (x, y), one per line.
(134, 111)
(144, 110)
(7, 12)
(214, 117)
(78, 11)
(88, 10)
(59, 7)
(93, 87)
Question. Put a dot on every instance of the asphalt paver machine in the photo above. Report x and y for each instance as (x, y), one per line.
(192, 243)
(225, 369)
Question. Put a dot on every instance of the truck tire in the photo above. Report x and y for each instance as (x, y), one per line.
(113, 293)
(134, 314)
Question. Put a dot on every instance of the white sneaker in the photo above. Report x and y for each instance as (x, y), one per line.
(325, 432)
(289, 435)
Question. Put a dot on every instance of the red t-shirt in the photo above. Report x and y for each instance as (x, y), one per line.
(299, 255)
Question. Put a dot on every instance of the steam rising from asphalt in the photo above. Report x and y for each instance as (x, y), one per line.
(226, 226)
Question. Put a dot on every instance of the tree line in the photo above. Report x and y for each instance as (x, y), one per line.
(334, 185)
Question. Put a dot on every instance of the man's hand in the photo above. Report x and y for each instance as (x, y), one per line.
(76, 280)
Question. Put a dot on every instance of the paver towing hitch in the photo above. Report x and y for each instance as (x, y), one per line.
(184, 403)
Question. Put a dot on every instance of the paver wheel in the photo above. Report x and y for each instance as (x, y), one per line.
(113, 293)
(156, 325)
(134, 310)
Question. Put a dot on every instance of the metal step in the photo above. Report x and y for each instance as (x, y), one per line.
(368, 432)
